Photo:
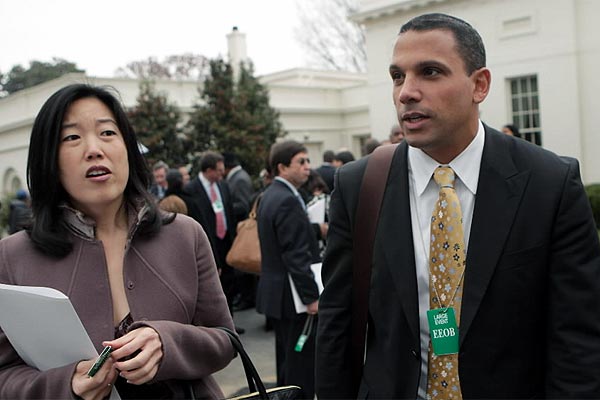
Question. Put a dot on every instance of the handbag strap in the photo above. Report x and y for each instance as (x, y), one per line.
(255, 383)
(252, 213)
(370, 198)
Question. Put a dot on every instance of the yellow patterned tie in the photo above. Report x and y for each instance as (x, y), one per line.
(447, 261)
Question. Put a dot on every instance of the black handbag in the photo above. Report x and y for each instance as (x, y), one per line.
(256, 387)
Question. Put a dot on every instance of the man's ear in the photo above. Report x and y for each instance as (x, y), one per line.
(482, 78)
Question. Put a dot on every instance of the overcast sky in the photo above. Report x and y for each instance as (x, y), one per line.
(100, 36)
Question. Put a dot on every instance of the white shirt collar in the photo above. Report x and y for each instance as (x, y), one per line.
(288, 184)
(466, 165)
(205, 182)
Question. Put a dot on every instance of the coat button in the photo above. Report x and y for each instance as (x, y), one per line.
(130, 285)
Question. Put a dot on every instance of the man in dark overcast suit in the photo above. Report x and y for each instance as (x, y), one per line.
(288, 247)
(204, 210)
(240, 185)
(529, 325)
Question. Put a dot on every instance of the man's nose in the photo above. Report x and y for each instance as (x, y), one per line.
(410, 91)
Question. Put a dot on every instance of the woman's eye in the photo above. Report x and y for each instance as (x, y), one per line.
(108, 133)
(70, 138)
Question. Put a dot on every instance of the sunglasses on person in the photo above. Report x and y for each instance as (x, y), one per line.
(303, 160)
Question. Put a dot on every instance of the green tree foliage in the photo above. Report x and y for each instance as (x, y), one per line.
(235, 117)
(19, 78)
(157, 124)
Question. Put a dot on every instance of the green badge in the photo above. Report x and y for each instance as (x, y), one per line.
(443, 331)
(300, 343)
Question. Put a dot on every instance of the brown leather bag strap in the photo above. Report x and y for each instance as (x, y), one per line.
(367, 215)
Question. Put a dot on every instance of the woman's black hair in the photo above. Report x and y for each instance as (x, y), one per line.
(43, 178)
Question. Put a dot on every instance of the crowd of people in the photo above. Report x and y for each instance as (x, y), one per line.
(482, 230)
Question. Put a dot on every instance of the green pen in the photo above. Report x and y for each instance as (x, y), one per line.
(99, 361)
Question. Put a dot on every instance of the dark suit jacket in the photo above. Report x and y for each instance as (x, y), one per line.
(529, 322)
(201, 210)
(240, 185)
(287, 245)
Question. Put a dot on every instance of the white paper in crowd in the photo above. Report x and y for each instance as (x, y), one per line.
(43, 327)
(316, 211)
(301, 307)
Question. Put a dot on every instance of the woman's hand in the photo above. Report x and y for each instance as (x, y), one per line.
(143, 348)
(97, 387)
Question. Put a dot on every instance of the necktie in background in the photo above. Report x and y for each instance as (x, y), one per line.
(447, 261)
(218, 209)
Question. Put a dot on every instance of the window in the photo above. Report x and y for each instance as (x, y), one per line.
(526, 108)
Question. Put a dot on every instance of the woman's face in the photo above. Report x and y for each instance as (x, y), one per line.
(92, 157)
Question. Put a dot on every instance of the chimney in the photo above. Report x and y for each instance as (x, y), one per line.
(236, 45)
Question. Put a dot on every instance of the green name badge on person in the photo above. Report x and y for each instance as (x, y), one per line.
(443, 331)
(300, 343)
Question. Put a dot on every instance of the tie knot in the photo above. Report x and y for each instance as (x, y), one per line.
(444, 177)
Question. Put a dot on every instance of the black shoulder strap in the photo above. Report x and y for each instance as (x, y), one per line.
(367, 215)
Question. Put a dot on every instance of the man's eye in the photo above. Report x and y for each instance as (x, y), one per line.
(397, 77)
(431, 72)
(70, 138)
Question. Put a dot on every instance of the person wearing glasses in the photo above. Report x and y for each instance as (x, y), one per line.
(288, 247)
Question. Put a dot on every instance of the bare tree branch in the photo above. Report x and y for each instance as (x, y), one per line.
(330, 38)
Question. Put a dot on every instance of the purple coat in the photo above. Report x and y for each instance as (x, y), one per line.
(172, 286)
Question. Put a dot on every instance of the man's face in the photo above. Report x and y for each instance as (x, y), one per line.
(298, 171)
(160, 177)
(215, 174)
(436, 101)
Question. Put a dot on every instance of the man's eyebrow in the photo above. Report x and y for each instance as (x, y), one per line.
(431, 63)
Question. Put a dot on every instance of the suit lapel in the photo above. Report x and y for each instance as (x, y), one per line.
(499, 194)
(394, 238)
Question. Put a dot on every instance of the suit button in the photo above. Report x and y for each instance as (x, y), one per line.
(130, 285)
(414, 353)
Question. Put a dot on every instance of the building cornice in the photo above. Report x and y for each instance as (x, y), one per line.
(390, 9)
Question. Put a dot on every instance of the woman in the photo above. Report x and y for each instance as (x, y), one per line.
(141, 281)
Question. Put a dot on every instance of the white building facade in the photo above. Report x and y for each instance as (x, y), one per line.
(323, 109)
(543, 54)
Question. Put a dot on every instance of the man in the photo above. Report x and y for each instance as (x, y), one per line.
(212, 208)
(19, 213)
(288, 247)
(240, 184)
(159, 187)
(525, 319)
(185, 173)
(327, 170)
(396, 134)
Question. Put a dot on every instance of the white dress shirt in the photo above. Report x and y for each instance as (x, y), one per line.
(423, 195)
(206, 184)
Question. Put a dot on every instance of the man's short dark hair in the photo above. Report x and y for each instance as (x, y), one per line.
(230, 160)
(344, 156)
(283, 152)
(209, 160)
(468, 42)
(328, 156)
